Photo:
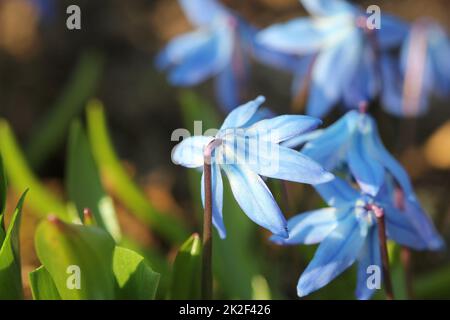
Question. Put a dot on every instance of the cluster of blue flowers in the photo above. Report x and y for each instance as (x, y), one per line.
(345, 62)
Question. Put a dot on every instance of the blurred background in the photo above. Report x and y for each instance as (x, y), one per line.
(48, 73)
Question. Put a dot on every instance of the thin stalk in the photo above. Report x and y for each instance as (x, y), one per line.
(405, 253)
(379, 213)
(207, 278)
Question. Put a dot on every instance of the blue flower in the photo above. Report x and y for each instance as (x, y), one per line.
(347, 232)
(423, 70)
(220, 48)
(353, 147)
(342, 50)
(214, 50)
(245, 153)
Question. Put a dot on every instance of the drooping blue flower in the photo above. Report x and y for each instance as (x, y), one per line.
(246, 152)
(347, 232)
(352, 146)
(422, 71)
(219, 48)
(342, 49)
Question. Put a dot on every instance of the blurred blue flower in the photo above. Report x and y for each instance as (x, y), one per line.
(423, 70)
(353, 146)
(341, 49)
(347, 232)
(220, 48)
(246, 152)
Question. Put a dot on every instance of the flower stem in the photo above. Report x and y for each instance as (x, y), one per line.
(207, 279)
(379, 213)
(207, 236)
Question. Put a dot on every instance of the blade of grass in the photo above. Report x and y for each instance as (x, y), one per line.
(40, 200)
(42, 285)
(49, 133)
(122, 186)
(10, 268)
(83, 183)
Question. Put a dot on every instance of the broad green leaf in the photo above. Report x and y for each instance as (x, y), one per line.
(42, 285)
(40, 200)
(2, 201)
(50, 132)
(186, 273)
(169, 227)
(135, 279)
(10, 269)
(154, 258)
(76, 253)
(83, 183)
(261, 290)
(236, 258)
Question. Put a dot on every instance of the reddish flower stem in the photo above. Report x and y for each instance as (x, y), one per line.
(379, 214)
(207, 278)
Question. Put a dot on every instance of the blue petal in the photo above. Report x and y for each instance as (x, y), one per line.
(274, 161)
(300, 140)
(207, 59)
(363, 86)
(368, 173)
(217, 199)
(311, 227)
(400, 229)
(330, 147)
(255, 199)
(380, 153)
(297, 36)
(230, 81)
(302, 75)
(423, 225)
(202, 12)
(327, 7)
(391, 93)
(180, 47)
(392, 32)
(418, 73)
(337, 192)
(335, 254)
(370, 256)
(332, 71)
(260, 114)
(242, 114)
(439, 51)
(282, 128)
(189, 152)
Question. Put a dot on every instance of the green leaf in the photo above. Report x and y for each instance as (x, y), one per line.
(42, 285)
(40, 200)
(135, 279)
(2, 201)
(169, 227)
(155, 258)
(74, 252)
(49, 133)
(186, 274)
(83, 183)
(10, 269)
